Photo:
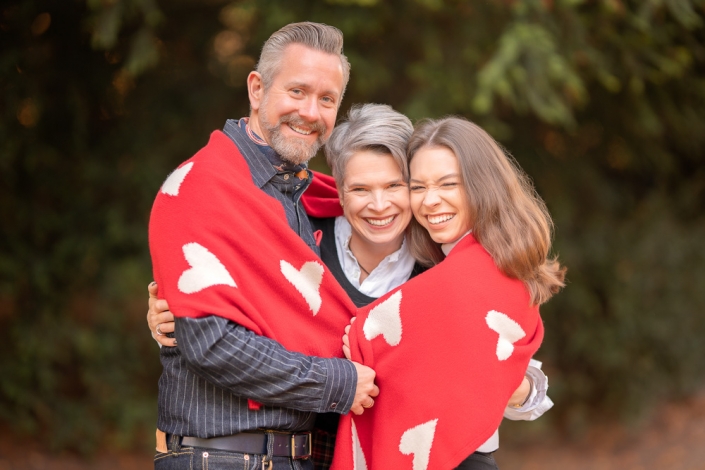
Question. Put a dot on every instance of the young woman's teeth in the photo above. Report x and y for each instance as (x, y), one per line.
(439, 219)
(299, 130)
(380, 222)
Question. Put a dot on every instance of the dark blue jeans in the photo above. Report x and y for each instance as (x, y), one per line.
(197, 458)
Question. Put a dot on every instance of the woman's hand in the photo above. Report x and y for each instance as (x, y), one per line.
(346, 341)
(159, 319)
(521, 394)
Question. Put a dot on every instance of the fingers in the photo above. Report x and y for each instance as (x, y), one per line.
(161, 306)
(366, 389)
(159, 319)
(346, 341)
(160, 325)
(375, 391)
(360, 408)
(346, 344)
(164, 328)
(165, 341)
(357, 409)
(153, 290)
(154, 319)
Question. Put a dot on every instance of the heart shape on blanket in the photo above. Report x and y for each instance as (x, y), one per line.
(385, 320)
(418, 441)
(307, 281)
(509, 332)
(359, 462)
(173, 182)
(206, 270)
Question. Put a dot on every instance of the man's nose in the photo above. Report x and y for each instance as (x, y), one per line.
(309, 110)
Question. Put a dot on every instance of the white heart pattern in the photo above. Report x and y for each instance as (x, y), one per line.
(418, 441)
(206, 270)
(307, 281)
(359, 462)
(385, 320)
(509, 332)
(173, 182)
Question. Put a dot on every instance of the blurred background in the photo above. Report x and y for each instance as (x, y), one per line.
(602, 102)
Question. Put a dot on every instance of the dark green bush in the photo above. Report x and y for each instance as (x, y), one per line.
(601, 102)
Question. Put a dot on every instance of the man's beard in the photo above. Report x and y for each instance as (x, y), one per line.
(292, 149)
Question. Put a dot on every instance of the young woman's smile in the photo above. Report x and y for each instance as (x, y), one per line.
(437, 196)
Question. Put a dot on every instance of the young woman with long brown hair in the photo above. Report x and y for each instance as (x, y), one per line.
(463, 184)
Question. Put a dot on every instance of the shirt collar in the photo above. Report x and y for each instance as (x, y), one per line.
(274, 158)
(260, 168)
(343, 234)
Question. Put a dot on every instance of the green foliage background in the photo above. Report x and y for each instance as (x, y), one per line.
(602, 102)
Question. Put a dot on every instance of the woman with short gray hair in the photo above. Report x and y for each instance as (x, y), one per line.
(367, 248)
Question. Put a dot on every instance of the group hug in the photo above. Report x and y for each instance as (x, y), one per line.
(384, 317)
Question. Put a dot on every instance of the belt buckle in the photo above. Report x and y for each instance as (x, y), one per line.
(293, 446)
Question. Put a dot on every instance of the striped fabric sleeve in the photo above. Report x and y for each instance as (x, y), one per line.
(252, 366)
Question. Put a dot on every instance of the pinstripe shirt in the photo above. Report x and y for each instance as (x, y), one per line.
(207, 380)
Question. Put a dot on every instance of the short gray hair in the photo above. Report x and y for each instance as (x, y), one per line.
(369, 127)
(317, 36)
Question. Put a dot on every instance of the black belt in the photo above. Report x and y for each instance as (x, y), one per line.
(295, 446)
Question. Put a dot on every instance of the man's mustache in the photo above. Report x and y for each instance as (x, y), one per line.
(296, 120)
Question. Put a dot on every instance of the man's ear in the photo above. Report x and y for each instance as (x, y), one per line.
(255, 88)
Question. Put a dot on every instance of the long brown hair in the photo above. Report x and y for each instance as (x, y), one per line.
(510, 220)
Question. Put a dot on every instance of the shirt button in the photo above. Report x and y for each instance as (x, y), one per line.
(286, 176)
(332, 406)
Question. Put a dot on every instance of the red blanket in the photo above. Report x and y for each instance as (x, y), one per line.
(449, 347)
(221, 246)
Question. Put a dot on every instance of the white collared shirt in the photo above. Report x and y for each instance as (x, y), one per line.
(393, 271)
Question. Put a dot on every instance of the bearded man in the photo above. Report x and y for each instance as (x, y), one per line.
(229, 397)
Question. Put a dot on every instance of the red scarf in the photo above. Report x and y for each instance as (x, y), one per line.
(449, 347)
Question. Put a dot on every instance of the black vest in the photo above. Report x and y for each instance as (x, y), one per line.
(329, 255)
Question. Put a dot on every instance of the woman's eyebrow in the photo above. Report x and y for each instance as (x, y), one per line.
(396, 180)
(449, 176)
(452, 175)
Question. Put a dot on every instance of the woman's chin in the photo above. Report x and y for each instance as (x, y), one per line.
(443, 238)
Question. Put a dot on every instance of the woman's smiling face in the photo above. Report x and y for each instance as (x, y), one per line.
(375, 199)
(438, 198)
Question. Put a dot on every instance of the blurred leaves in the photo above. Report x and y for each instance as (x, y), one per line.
(602, 102)
(109, 17)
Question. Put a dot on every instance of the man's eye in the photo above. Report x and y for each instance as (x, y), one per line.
(358, 190)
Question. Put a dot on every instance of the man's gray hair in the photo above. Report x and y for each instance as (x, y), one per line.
(317, 36)
(369, 127)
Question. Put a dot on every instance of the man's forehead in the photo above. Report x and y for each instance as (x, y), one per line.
(298, 58)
